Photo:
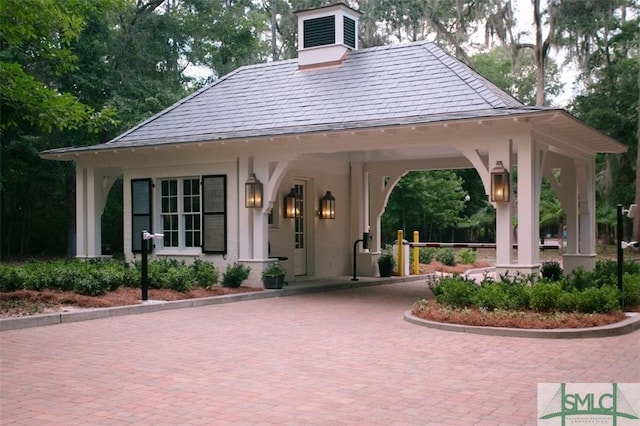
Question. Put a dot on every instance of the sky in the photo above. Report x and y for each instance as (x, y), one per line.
(523, 11)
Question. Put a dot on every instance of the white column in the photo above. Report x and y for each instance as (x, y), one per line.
(570, 190)
(81, 211)
(259, 218)
(581, 248)
(587, 207)
(357, 201)
(529, 180)
(93, 222)
(245, 223)
(504, 236)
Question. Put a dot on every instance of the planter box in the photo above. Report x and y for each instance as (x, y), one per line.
(273, 283)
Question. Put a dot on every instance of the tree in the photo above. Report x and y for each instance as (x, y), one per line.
(76, 73)
(517, 78)
(35, 40)
(425, 202)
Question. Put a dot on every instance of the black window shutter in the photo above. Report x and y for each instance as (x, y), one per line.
(214, 214)
(141, 212)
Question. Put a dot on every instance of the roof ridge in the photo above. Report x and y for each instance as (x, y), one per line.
(457, 66)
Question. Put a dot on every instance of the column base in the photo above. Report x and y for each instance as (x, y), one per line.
(574, 261)
(515, 269)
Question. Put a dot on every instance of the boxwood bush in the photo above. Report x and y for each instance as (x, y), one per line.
(235, 275)
(97, 277)
(581, 291)
(446, 256)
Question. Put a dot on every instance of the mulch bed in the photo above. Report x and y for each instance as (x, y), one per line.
(431, 310)
(28, 302)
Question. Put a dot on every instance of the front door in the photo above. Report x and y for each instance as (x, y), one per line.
(300, 230)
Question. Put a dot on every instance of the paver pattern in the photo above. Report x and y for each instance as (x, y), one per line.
(338, 358)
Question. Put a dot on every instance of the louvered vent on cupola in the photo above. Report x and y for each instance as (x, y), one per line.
(326, 34)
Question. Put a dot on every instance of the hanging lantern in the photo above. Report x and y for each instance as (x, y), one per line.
(253, 192)
(327, 206)
(290, 204)
(500, 184)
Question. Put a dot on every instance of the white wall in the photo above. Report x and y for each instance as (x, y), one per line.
(228, 168)
(329, 248)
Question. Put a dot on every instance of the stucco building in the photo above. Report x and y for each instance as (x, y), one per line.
(341, 120)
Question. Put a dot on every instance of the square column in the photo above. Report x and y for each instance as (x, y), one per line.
(584, 231)
(529, 185)
(504, 236)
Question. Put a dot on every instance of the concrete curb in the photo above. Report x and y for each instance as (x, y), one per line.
(629, 325)
(155, 306)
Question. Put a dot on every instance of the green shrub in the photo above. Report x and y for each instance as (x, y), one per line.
(581, 279)
(427, 254)
(467, 256)
(69, 275)
(518, 295)
(598, 300)
(568, 301)
(455, 291)
(10, 279)
(158, 269)
(109, 275)
(491, 296)
(132, 276)
(204, 273)
(89, 286)
(178, 279)
(235, 275)
(446, 256)
(551, 270)
(544, 296)
(630, 295)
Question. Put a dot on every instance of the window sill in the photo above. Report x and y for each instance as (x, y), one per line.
(178, 252)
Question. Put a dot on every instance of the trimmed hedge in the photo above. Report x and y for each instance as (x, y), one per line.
(97, 277)
(581, 291)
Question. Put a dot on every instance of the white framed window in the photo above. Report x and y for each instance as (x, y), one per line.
(191, 212)
(181, 212)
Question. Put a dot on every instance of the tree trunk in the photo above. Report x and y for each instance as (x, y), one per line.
(636, 218)
(538, 54)
(274, 31)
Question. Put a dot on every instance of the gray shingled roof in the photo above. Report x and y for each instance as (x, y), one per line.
(382, 86)
(391, 82)
(389, 85)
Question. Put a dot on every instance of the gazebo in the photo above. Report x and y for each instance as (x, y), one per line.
(239, 170)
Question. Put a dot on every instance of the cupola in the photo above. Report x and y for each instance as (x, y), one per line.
(326, 35)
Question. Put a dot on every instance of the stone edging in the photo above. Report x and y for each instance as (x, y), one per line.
(157, 305)
(632, 323)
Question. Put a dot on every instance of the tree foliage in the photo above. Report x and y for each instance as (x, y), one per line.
(424, 202)
(77, 72)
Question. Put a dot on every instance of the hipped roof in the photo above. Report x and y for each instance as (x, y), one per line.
(392, 85)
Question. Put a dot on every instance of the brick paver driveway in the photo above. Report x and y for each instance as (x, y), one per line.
(344, 357)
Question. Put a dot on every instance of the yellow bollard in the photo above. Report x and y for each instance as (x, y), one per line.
(400, 259)
(416, 253)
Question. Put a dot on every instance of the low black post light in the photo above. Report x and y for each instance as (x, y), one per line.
(365, 246)
(630, 212)
(145, 268)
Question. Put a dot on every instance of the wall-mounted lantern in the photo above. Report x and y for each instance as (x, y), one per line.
(253, 192)
(327, 206)
(500, 183)
(290, 204)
